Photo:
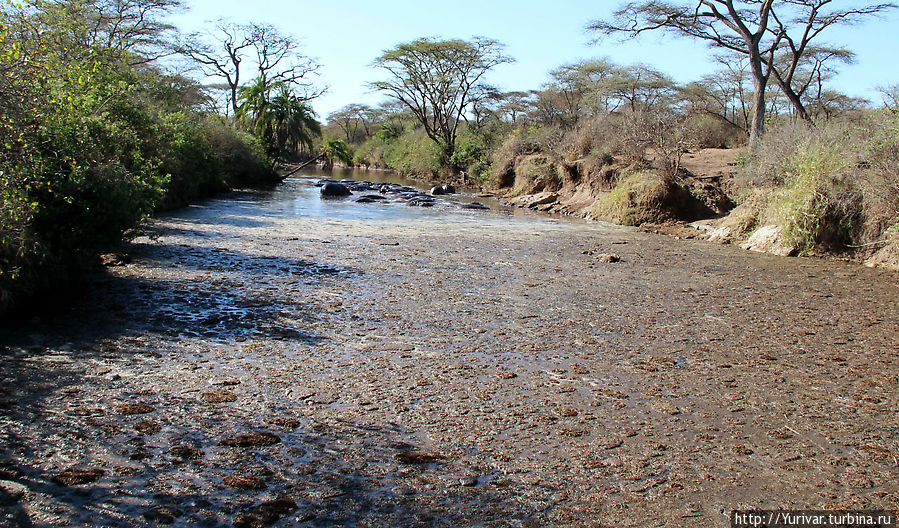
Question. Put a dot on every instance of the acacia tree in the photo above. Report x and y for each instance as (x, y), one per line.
(438, 82)
(223, 51)
(774, 35)
(355, 120)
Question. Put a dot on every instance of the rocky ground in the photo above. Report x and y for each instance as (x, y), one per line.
(237, 367)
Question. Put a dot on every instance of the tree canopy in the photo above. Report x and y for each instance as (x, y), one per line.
(775, 35)
(439, 81)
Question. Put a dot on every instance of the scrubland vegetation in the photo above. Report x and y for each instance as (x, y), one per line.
(98, 130)
(97, 133)
(622, 131)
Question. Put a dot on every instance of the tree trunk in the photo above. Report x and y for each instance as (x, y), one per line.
(794, 99)
(759, 84)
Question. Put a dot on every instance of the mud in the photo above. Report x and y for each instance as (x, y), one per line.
(269, 359)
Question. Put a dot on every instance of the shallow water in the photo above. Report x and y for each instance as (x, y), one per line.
(447, 367)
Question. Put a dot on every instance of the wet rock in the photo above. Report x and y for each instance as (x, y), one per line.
(12, 491)
(134, 408)
(9, 471)
(187, 452)
(245, 482)
(417, 457)
(75, 476)
(163, 514)
(147, 427)
(666, 407)
(474, 205)
(256, 438)
(437, 190)
(218, 396)
(115, 259)
(742, 450)
(535, 200)
(285, 421)
(266, 513)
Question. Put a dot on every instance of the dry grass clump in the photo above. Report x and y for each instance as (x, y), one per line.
(830, 188)
(535, 173)
(645, 197)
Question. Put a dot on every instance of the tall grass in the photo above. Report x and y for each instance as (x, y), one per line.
(831, 188)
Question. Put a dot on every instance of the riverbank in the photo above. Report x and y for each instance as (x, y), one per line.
(697, 205)
(264, 361)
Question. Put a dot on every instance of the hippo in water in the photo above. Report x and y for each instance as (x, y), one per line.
(332, 189)
(446, 188)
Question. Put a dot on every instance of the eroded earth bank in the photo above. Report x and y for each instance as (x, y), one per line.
(273, 359)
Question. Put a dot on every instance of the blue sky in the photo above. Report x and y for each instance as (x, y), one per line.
(345, 36)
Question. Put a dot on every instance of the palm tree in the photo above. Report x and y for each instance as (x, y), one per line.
(335, 150)
(284, 122)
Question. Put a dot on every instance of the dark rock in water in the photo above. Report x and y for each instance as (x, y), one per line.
(419, 202)
(369, 198)
(147, 427)
(323, 181)
(75, 476)
(474, 205)
(253, 439)
(335, 189)
(269, 512)
(347, 180)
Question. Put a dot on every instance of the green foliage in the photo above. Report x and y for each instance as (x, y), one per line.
(336, 150)
(438, 81)
(402, 147)
(283, 120)
(473, 155)
(415, 154)
(91, 145)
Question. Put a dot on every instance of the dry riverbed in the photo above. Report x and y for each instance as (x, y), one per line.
(251, 368)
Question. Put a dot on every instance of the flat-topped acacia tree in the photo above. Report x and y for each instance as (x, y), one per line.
(438, 81)
(774, 35)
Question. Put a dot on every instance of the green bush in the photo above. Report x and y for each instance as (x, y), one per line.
(90, 147)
